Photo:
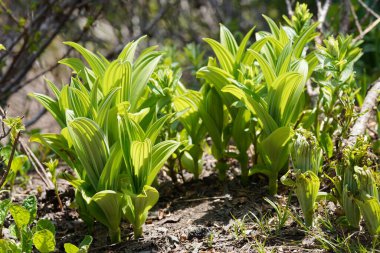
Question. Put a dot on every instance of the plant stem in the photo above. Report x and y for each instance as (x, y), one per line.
(137, 231)
(5, 175)
(114, 235)
(273, 185)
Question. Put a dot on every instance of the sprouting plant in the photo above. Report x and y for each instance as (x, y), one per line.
(346, 186)
(83, 247)
(224, 118)
(52, 167)
(41, 235)
(306, 156)
(368, 198)
(11, 162)
(281, 211)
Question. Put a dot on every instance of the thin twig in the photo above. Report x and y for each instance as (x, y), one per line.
(368, 9)
(37, 165)
(5, 175)
(367, 30)
(357, 23)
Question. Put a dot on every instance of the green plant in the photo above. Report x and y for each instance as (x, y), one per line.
(306, 156)
(11, 162)
(368, 198)
(109, 132)
(41, 235)
(282, 212)
(335, 76)
(84, 246)
(271, 90)
(222, 116)
(52, 167)
(346, 186)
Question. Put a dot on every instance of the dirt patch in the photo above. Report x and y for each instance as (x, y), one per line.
(201, 216)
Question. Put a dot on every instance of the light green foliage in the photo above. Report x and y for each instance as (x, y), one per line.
(306, 157)
(109, 132)
(335, 77)
(368, 199)
(268, 77)
(42, 235)
(350, 181)
(44, 241)
(15, 124)
(83, 246)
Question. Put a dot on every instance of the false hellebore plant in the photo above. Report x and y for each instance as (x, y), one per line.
(109, 136)
(266, 81)
(306, 156)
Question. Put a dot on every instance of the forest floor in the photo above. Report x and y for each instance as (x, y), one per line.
(208, 215)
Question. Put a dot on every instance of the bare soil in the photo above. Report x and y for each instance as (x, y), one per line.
(204, 215)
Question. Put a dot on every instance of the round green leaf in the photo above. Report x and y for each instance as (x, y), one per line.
(44, 241)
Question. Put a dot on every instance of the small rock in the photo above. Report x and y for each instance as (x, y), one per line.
(173, 239)
(183, 237)
(199, 233)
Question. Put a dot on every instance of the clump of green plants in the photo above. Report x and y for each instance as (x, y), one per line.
(26, 232)
(109, 133)
(263, 87)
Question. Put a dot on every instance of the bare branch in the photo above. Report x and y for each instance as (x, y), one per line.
(289, 8)
(367, 30)
(322, 12)
(357, 23)
(366, 111)
(368, 9)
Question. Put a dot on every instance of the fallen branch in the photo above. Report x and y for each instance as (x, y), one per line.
(366, 111)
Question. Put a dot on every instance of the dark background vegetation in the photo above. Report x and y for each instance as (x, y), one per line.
(33, 31)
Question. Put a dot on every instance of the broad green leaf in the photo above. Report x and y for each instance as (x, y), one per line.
(228, 40)
(30, 204)
(141, 155)
(110, 175)
(52, 106)
(275, 148)
(71, 248)
(57, 143)
(142, 70)
(44, 241)
(307, 187)
(128, 52)
(45, 224)
(160, 154)
(225, 57)
(243, 46)
(20, 215)
(273, 27)
(256, 106)
(94, 61)
(306, 37)
(106, 207)
(118, 75)
(91, 147)
(370, 208)
(86, 242)
(268, 71)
